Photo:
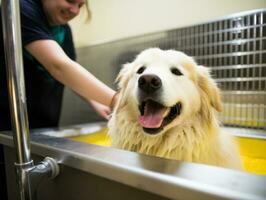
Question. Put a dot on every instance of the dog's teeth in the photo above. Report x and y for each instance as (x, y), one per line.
(166, 112)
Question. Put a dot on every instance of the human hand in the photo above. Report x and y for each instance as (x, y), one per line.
(102, 110)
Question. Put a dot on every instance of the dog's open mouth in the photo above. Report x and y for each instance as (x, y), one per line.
(154, 116)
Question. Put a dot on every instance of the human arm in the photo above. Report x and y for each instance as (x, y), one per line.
(69, 72)
(103, 110)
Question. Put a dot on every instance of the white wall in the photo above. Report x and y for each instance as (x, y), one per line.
(117, 19)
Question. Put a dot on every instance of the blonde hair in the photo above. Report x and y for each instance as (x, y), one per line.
(85, 10)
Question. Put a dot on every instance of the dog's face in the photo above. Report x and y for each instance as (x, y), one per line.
(163, 89)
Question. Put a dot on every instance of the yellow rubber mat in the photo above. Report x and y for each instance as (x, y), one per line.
(99, 138)
(253, 151)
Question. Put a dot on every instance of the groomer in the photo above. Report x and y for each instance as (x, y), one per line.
(49, 64)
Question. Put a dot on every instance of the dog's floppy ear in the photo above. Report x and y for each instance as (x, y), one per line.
(209, 87)
(122, 80)
(123, 76)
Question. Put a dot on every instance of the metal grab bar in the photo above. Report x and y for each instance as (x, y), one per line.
(15, 77)
(25, 169)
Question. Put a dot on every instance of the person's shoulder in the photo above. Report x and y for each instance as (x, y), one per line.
(32, 13)
(30, 2)
(30, 7)
(34, 24)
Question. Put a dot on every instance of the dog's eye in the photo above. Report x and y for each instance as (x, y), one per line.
(140, 70)
(176, 71)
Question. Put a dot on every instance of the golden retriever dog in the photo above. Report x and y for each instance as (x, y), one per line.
(167, 107)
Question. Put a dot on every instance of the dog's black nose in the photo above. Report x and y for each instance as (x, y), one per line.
(149, 83)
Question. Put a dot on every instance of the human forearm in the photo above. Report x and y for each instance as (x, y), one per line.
(83, 82)
(69, 72)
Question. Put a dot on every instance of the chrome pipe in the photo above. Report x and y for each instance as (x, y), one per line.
(16, 89)
(15, 77)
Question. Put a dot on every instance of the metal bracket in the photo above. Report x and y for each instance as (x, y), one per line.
(32, 175)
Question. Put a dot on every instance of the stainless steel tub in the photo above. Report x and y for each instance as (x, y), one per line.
(94, 172)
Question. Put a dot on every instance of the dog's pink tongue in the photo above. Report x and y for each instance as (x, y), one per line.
(153, 115)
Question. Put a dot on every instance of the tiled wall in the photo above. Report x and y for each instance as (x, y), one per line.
(233, 47)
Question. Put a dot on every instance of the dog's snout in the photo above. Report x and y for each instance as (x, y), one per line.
(149, 83)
